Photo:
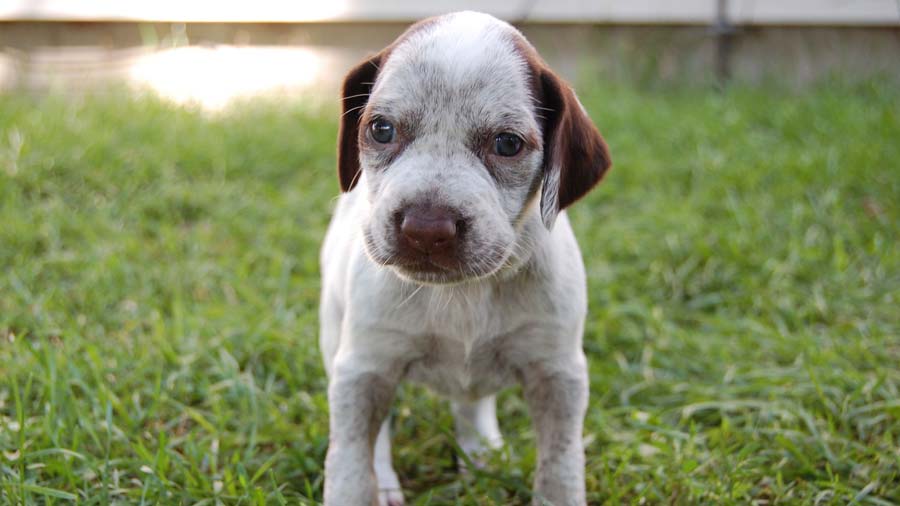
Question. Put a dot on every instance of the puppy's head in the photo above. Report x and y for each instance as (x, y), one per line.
(461, 135)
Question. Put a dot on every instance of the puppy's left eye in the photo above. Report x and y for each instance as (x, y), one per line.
(382, 130)
(507, 144)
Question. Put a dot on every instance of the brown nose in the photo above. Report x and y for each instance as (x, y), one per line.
(429, 230)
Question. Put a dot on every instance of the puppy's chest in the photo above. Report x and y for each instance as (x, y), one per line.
(462, 370)
(465, 349)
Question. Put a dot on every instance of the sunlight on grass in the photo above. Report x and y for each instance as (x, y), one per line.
(214, 77)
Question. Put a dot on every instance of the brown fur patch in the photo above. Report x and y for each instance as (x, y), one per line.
(354, 98)
(572, 144)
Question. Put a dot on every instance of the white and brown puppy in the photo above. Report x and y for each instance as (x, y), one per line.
(450, 260)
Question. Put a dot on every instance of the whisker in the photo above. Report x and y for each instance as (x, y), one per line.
(414, 292)
(352, 109)
(355, 178)
(356, 96)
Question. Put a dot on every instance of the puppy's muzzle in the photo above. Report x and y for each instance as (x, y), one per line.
(430, 235)
(429, 231)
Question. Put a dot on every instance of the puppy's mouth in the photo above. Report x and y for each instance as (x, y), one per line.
(432, 269)
(427, 272)
(448, 267)
(428, 266)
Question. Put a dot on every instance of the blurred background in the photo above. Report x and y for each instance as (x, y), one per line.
(167, 173)
(211, 51)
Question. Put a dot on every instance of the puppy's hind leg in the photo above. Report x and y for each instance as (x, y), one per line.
(477, 430)
(389, 492)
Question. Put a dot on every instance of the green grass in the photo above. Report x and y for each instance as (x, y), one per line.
(158, 293)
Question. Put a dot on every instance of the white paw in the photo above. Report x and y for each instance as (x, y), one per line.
(478, 451)
(390, 497)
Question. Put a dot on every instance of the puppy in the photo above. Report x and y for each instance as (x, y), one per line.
(450, 260)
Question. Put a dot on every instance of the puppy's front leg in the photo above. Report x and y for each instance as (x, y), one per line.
(556, 391)
(359, 400)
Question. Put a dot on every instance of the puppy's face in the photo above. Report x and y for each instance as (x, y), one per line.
(455, 130)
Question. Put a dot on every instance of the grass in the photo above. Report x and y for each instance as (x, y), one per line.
(158, 294)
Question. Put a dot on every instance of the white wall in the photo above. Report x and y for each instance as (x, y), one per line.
(799, 12)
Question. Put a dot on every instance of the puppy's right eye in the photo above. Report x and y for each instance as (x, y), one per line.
(382, 130)
(507, 144)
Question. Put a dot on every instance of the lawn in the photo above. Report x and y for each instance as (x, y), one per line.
(159, 284)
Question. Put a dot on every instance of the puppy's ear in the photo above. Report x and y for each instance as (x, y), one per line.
(575, 155)
(355, 93)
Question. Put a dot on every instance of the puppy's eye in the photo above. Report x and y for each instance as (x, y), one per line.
(507, 144)
(382, 130)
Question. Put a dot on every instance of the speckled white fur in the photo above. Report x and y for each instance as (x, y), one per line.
(517, 318)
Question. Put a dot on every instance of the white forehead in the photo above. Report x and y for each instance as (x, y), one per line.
(466, 53)
(460, 44)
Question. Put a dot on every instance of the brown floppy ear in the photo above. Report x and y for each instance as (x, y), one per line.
(355, 93)
(575, 155)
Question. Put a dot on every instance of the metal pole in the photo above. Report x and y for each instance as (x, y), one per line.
(724, 32)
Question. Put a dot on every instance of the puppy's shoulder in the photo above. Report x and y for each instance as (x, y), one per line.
(555, 273)
(343, 232)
